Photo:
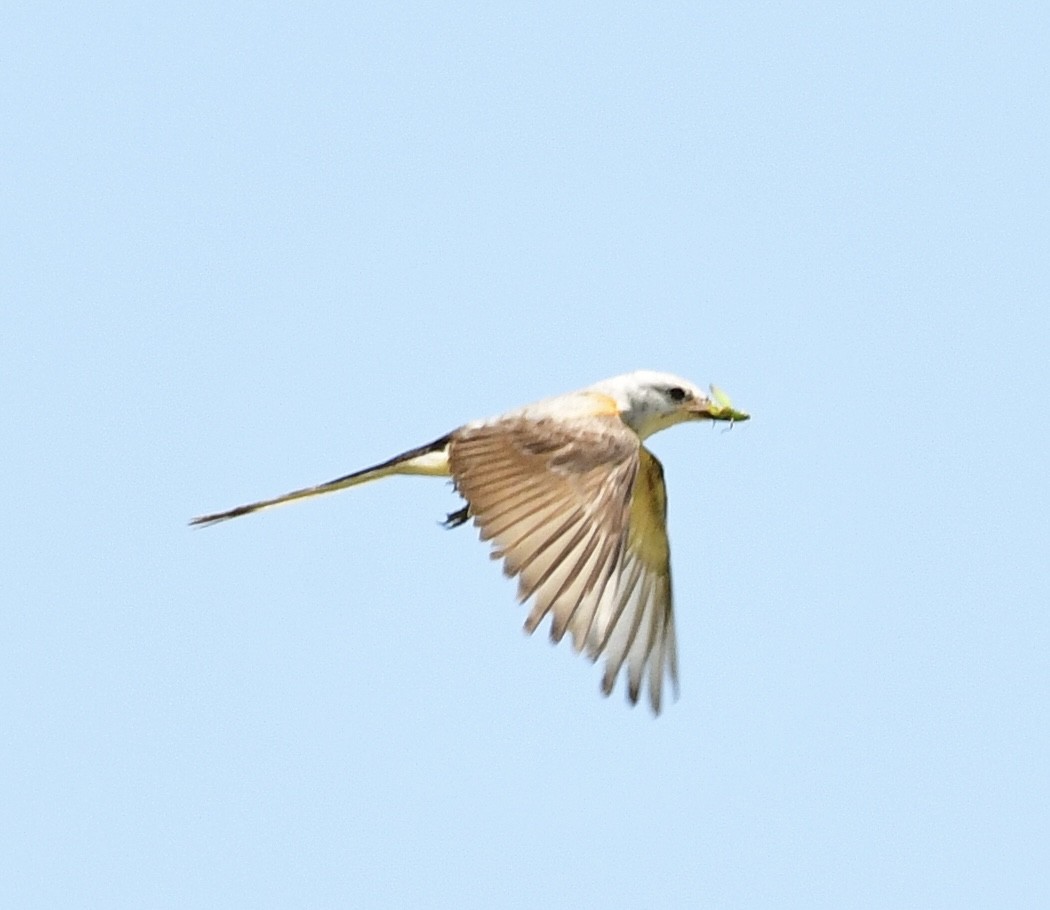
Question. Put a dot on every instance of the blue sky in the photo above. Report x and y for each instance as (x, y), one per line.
(251, 247)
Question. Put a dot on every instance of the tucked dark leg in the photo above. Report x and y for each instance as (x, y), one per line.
(457, 518)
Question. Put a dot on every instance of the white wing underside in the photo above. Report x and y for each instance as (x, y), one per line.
(575, 508)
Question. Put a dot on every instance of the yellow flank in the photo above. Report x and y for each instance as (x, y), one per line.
(648, 531)
(430, 464)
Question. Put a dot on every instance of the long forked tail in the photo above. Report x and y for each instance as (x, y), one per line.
(429, 460)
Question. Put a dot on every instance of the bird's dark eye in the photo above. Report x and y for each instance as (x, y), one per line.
(676, 393)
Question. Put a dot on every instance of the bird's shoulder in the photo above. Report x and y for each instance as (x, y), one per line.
(575, 433)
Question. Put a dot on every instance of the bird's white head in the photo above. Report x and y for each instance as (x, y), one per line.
(649, 401)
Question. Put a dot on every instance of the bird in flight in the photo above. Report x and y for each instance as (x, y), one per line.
(575, 507)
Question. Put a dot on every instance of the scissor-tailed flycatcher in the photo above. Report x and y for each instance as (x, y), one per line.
(575, 507)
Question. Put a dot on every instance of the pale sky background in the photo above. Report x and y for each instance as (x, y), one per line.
(250, 247)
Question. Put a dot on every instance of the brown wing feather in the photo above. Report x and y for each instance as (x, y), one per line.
(576, 510)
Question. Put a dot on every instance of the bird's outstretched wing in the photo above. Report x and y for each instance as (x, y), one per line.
(576, 509)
